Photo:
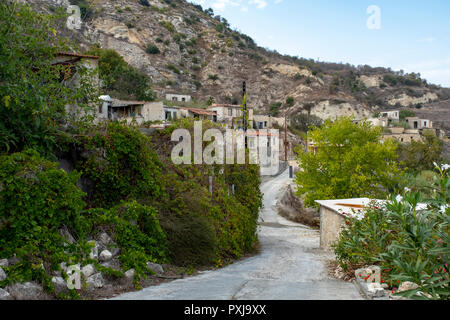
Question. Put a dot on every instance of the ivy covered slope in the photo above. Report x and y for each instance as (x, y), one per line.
(119, 203)
(153, 210)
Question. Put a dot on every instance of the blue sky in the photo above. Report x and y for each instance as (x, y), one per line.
(411, 35)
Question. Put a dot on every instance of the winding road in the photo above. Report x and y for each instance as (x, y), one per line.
(289, 266)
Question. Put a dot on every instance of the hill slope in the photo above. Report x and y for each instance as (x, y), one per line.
(197, 53)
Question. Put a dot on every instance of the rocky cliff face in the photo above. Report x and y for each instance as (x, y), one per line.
(200, 55)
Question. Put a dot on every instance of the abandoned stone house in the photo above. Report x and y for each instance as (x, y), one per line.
(72, 63)
(196, 113)
(178, 97)
(417, 123)
(267, 122)
(231, 115)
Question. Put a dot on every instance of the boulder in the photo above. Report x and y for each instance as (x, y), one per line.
(375, 290)
(129, 274)
(115, 251)
(94, 251)
(2, 274)
(60, 285)
(370, 274)
(406, 286)
(104, 238)
(156, 268)
(4, 262)
(4, 295)
(26, 291)
(95, 281)
(105, 255)
(66, 234)
(88, 270)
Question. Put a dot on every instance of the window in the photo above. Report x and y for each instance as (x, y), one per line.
(265, 124)
(230, 112)
(183, 99)
(174, 99)
(100, 108)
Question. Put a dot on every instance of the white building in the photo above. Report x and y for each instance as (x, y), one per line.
(417, 123)
(178, 97)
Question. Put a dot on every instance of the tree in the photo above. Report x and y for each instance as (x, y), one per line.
(119, 78)
(33, 90)
(349, 161)
(420, 155)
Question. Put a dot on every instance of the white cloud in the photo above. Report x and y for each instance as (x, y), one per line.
(260, 4)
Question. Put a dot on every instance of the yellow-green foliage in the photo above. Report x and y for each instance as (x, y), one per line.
(350, 162)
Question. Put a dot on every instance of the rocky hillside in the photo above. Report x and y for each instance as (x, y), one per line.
(184, 48)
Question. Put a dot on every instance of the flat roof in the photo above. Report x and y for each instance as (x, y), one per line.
(200, 111)
(354, 207)
(215, 105)
(345, 207)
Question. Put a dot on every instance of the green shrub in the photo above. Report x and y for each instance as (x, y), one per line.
(36, 200)
(136, 230)
(409, 244)
(191, 240)
(152, 49)
(168, 25)
(119, 79)
(122, 165)
(172, 67)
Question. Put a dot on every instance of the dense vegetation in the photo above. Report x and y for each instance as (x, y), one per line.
(121, 80)
(409, 243)
(348, 161)
(152, 209)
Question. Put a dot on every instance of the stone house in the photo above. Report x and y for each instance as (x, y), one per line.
(171, 113)
(267, 122)
(403, 135)
(72, 62)
(200, 114)
(391, 116)
(231, 115)
(178, 97)
(417, 123)
(131, 111)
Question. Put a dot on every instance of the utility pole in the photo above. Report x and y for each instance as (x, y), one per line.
(285, 137)
(244, 91)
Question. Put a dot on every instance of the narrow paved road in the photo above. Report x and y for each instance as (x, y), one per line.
(290, 266)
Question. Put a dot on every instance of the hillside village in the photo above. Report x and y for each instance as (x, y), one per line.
(95, 186)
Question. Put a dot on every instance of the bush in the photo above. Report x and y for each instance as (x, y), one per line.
(145, 3)
(121, 165)
(119, 79)
(168, 25)
(191, 240)
(137, 232)
(409, 244)
(152, 49)
(172, 67)
(36, 201)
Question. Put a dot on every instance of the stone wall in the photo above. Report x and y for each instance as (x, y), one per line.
(292, 208)
(330, 227)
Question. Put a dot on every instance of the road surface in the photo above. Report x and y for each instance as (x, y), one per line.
(290, 266)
